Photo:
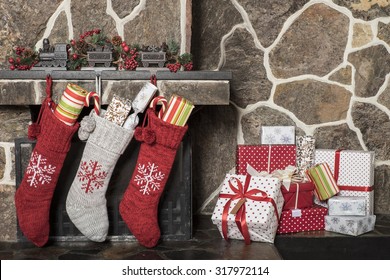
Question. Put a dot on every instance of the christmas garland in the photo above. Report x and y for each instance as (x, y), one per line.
(125, 56)
(22, 58)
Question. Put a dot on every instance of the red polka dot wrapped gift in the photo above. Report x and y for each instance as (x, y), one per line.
(298, 220)
(265, 157)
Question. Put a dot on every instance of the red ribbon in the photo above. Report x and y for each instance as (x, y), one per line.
(355, 189)
(337, 165)
(240, 193)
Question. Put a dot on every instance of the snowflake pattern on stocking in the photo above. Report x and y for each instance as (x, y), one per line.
(91, 175)
(148, 178)
(39, 171)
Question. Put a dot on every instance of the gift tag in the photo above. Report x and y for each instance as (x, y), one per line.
(296, 213)
(238, 206)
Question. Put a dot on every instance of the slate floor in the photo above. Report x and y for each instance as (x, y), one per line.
(207, 244)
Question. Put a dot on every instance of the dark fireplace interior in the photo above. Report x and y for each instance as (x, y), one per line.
(175, 209)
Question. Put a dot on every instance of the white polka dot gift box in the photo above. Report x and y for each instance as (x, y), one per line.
(277, 135)
(353, 171)
(248, 208)
(350, 225)
(264, 157)
(299, 220)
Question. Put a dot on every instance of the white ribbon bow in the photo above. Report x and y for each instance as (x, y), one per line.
(286, 176)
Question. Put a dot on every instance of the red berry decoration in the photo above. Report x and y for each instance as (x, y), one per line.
(126, 49)
(75, 56)
(12, 67)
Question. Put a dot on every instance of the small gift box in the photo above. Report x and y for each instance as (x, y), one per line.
(299, 220)
(298, 196)
(325, 185)
(118, 110)
(349, 167)
(350, 225)
(347, 206)
(296, 192)
(277, 135)
(265, 157)
(305, 153)
(178, 110)
(248, 208)
(366, 193)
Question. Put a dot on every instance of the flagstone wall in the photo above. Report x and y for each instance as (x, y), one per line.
(322, 66)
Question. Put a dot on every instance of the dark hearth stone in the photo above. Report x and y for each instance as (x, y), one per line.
(145, 255)
(192, 255)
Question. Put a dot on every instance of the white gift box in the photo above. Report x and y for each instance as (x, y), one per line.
(350, 225)
(347, 206)
(367, 195)
(277, 135)
(356, 168)
(261, 218)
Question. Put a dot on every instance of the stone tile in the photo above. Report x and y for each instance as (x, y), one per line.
(244, 89)
(328, 102)
(191, 255)
(374, 125)
(157, 15)
(365, 10)
(144, 255)
(7, 213)
(334, 137)
(198, 92)
(372, 65)
(14, 122)
(75, 256)
(7, 255)
(297, 51)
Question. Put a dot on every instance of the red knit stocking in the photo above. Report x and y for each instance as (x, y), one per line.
(138, 207)
(34, 195)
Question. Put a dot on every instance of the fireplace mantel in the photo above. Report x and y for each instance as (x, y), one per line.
(200, 87)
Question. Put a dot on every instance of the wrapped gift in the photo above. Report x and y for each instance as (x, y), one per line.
(277, 135)
(350, 225)
(347, 206)
(118, 110)
(366, 193)
(302, 220)
(305, 153)
(350, 168)
(178, 110)
(265, 157)
(298, 195)
(296, 192)
(325, 185)
(248, 208)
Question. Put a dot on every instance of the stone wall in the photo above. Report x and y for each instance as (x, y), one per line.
(322, 66)
(319, 65)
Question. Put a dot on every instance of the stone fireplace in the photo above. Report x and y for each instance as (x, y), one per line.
(322, 66)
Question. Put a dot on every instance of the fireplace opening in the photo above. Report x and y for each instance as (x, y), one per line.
(175, 208)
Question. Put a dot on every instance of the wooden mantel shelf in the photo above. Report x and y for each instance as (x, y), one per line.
(116, 75)
(200, 87)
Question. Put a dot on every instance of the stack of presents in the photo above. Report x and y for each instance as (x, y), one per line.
(286, 185)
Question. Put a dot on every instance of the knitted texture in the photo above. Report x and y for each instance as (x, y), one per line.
(139, 205)
(34, 195)
(86, 203)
